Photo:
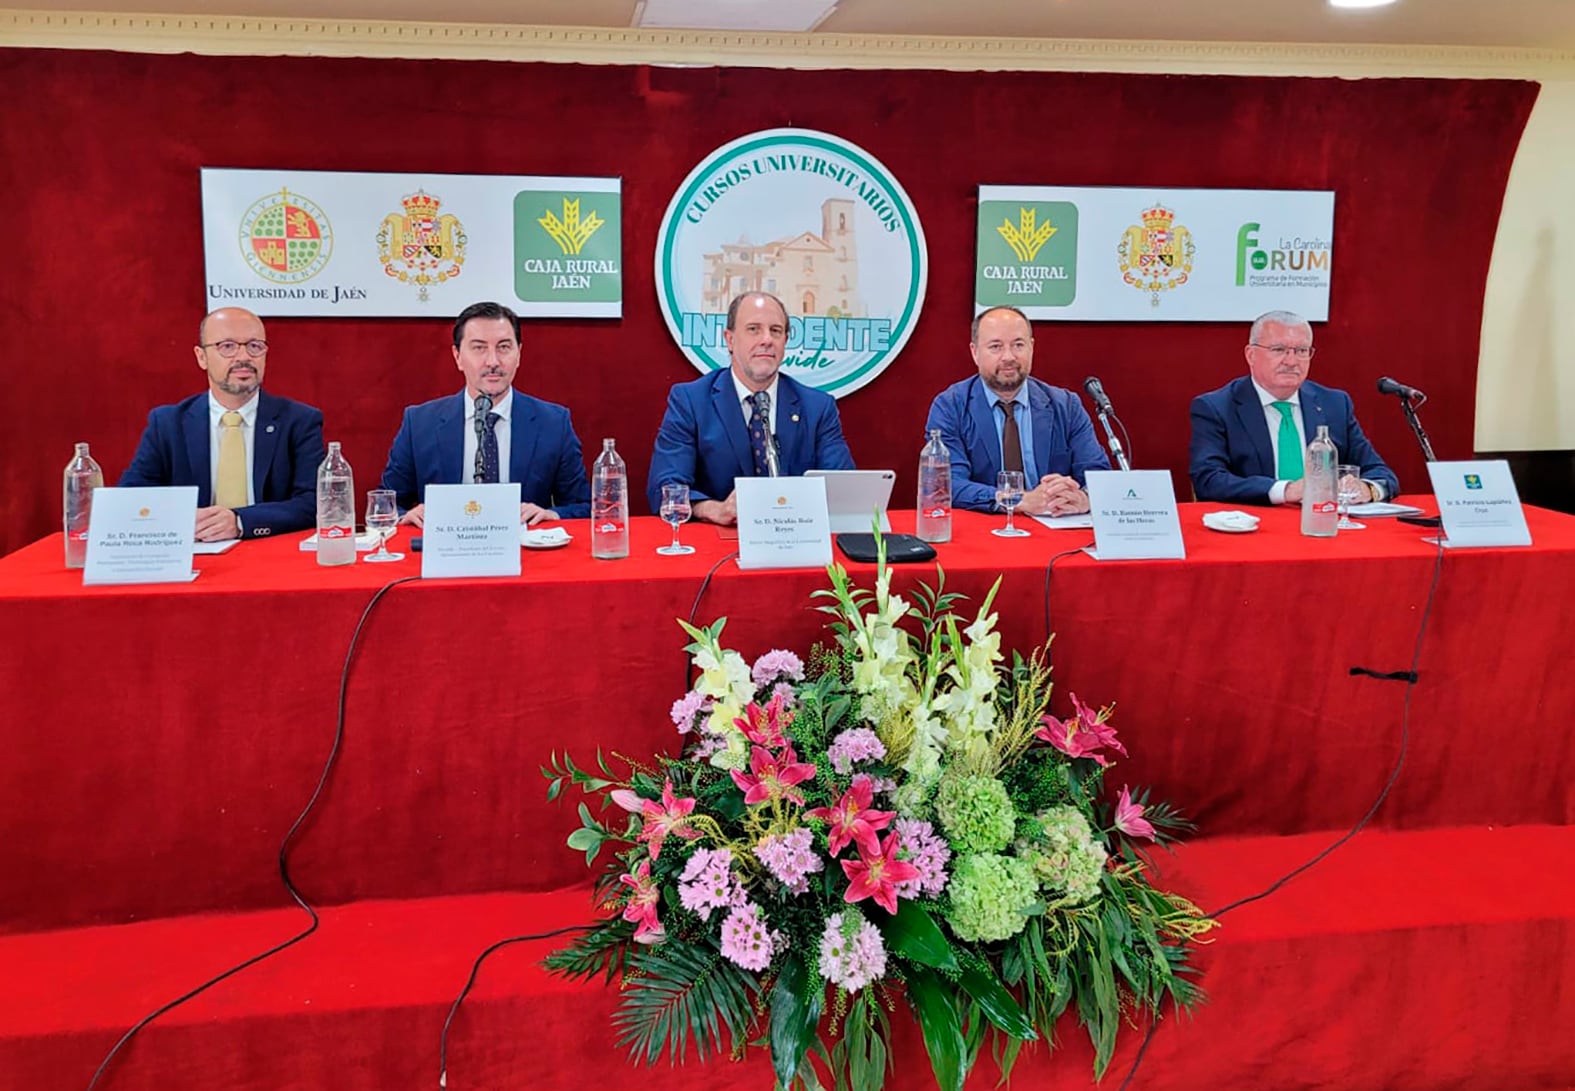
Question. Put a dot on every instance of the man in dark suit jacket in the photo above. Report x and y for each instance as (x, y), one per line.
(490, 433)
(714, 430)
(1250, 435)
(1055, 443)
(252, 456)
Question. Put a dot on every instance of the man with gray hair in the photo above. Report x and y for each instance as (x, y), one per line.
(735, 423)
(1250, 435)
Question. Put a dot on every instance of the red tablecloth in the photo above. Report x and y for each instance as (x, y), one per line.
(161, 739)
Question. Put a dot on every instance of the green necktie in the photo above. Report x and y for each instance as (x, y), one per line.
(1290, 445)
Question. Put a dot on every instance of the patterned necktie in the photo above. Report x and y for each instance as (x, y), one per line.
(757, 432)
(1011, 442)
(1291, 459)
(486, 469)
(230, 485)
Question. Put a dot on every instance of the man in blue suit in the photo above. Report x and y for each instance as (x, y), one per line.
(490, 433)
(721, 426)
(252, 456)
(1002, 418)
(1250, 435)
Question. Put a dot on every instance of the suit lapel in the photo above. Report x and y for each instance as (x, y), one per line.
(981, 408)
(264, 443)
(451, 440)
(523, 436)
(791, 434)
(730, 413)
(1313, 415)
(1255, 423)
(1039, 421)
(195, 426)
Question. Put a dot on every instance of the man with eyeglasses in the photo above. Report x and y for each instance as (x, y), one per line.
(1003, 419)
(1250, 435)
(252, 455)
(489, 433)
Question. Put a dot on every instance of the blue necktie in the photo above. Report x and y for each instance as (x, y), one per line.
(486, 469)
(757, 432)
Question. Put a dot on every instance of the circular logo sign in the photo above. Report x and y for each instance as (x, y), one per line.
(285, 238)
(817, 222)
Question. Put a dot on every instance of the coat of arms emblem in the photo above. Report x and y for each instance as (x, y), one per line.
(1157, 256)
(420, 245)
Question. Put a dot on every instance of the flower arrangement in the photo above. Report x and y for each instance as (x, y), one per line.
(899, 819)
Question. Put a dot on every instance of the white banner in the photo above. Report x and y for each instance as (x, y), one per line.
(411, 245)
(1156, 255)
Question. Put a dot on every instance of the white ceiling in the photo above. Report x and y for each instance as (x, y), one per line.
(1517, 24)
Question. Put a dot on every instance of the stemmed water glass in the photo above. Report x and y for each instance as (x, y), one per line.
(1008, 494)
(382, 515)
(1349, 491)
(675, 509)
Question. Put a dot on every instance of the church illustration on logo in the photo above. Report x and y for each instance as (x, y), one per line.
(812, 274)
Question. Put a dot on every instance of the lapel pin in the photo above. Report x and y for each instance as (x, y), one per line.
(795, 418)
(269, 428)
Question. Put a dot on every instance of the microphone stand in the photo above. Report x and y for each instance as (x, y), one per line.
(1416, 427)
(773, 459)
(1110, 434)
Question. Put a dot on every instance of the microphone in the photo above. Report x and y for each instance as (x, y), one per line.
(1386, 385)
(1097, 391)
(773, 456)
(483, 407)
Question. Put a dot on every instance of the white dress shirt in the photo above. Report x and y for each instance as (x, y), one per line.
(746, 402)
(500, 428)
(248, 414)
(1272, 417)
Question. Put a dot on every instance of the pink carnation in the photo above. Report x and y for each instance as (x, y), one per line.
(687, 709)
(776, 665)
(853, 746)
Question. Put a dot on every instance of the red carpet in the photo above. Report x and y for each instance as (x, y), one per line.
(1406, 960)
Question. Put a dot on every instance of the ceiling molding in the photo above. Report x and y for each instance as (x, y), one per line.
(237, 35)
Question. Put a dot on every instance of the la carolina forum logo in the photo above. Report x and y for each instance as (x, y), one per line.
(816, 221)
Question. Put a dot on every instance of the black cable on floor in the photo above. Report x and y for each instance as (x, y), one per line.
(284, 849)
(470, 982)
(1410, 679)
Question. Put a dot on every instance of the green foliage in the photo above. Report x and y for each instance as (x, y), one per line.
(935, 1003)
(600, 952)
(861, 1056)
(796, 1004)
(687, 992)
(913, 934)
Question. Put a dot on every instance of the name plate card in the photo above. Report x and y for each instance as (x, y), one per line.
(1134, 514)
(471, 530)
(141, 535)
(782, 522)
(1479, 504)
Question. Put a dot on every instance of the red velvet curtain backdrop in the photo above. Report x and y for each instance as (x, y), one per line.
(99, 154)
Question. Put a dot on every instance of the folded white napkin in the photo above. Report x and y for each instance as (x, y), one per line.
(544, 538)
(1231, 522)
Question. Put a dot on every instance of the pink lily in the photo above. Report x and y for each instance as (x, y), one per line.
(628, 800)
(766, 726)
(877, 874)
(772, 777)
(641, 909)
(1129, 817)
(1081, 736)
(669, 817)
(851, 819)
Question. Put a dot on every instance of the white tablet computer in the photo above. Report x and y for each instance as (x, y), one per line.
(855, 497)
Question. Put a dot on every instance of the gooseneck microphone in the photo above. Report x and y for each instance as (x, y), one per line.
(483, 407)
(773, 456)
(1096, 391)
(1386, 385)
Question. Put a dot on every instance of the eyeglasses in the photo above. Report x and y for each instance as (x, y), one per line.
(230, 349)
(1301, 352)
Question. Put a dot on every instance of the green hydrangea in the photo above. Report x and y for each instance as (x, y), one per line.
(990, 896)
(976, 813)
(1063, 853)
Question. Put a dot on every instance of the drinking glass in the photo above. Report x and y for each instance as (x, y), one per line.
(382, 515)
(675, 509)
(1349, 492)
(1008, 494)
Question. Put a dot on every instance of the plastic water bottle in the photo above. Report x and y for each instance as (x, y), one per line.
(82, 477)
(1320, 486)
(609, 505)
(935, 490)
(335, 510)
